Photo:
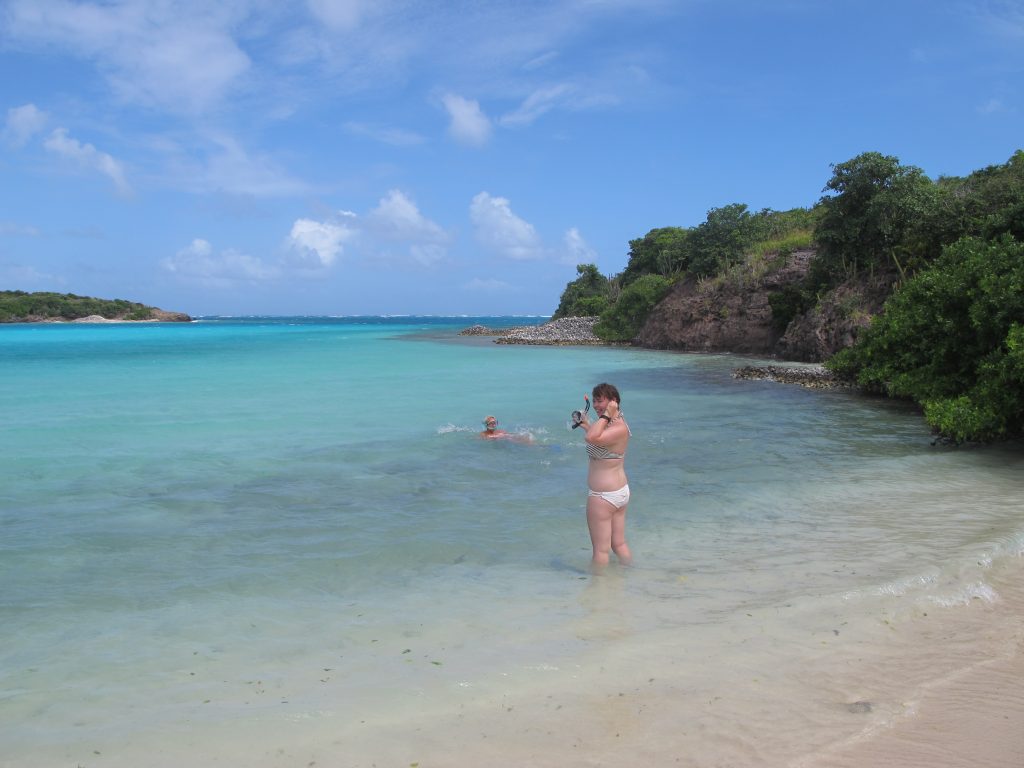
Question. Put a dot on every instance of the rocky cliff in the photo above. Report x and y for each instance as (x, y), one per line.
(731, 313)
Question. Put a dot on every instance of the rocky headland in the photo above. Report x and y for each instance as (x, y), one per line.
(49, 307)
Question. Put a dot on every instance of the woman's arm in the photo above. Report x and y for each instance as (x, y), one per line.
(606, 428)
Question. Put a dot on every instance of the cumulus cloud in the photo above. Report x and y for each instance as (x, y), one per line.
(397, 219)
(198, 262)
(317, 244)
(179, 56)
(22, 124)
(469, 125)
(395, 230)
(576, 249)
(501, 231)
(87, 156)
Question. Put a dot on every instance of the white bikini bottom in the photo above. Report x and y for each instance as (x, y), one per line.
(617, 499)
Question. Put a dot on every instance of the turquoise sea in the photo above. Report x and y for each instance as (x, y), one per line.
(280, 542)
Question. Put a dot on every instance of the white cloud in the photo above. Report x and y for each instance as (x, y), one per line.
(226, 269)
(177, 55)
(396, 137)
(469, 125)
(23, 123)
(541, 61)
(87, 156)
(395, 222)
(397, 217)
(230, 168)
(576, 249)
(501, 231)
(317, 244)
(536, 104)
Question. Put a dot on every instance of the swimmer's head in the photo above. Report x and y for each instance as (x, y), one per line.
(490, 423)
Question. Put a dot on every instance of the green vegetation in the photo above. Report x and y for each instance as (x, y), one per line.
(665, 255)
(624, 319)
(585, 296)
(19, 306)
(952, 339)
(951, 336)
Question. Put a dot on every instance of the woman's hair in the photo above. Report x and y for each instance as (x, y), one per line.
(607, 390)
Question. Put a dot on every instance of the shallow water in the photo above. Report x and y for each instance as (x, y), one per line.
(279, 541)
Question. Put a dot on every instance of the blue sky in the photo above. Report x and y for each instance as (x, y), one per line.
(397, 156)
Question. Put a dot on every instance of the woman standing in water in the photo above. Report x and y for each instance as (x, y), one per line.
(607, 438)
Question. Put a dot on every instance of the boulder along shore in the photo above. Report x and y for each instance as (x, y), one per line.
(564, 331)
(810, 376)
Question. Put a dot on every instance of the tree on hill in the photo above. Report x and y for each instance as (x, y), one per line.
(586, 296)
(624, 319)
(875, 217)
(661, 251)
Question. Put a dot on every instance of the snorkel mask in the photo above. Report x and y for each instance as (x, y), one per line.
(577, 416)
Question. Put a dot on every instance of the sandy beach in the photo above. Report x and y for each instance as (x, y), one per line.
(975, 719)
(972, 718)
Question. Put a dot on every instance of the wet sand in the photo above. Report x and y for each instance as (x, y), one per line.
(974, 718)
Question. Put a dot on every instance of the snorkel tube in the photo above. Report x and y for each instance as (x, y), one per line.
(577, 417)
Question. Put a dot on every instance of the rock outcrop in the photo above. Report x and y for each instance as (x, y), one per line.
(566, 330)
(478, 330)
(833, 324)
(728, 314)
(732, 313)
(810, 376)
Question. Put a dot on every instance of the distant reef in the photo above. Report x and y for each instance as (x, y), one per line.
(23, 307)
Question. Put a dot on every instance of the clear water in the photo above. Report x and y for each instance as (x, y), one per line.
(278, 541)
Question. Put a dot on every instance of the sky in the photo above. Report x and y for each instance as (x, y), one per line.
(350, 157)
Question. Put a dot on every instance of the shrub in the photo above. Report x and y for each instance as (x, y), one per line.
(579, 295)
(623, 321)
(952, 340)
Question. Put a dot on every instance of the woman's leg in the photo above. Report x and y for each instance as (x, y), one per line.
(599, 521)
(618, 540)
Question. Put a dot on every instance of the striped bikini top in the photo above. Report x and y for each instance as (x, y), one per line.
(596, 452)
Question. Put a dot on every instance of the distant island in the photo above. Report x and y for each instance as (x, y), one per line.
(43, 307)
